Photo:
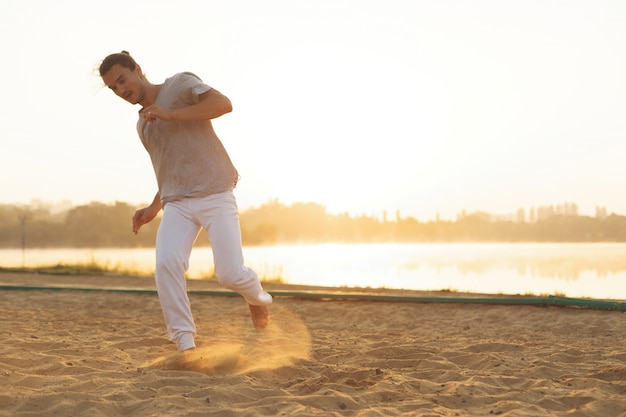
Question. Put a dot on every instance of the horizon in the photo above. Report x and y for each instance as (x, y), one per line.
(429, 108)
(570, 208)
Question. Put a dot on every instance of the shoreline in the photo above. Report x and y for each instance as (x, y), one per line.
(586, 272)
(113, 281)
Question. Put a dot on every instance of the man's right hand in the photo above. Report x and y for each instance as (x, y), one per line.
(146, 214)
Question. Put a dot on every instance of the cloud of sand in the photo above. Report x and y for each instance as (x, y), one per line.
(285, 341)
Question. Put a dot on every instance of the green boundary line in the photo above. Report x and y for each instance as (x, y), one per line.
(537, 301)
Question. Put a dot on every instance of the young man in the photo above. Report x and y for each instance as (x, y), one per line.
(196, 178)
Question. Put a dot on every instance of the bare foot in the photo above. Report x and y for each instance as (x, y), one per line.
(260, 316)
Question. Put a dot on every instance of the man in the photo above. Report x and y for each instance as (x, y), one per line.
(195, 178)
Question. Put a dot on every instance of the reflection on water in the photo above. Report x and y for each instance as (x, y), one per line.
(557, 261)
(576, 270)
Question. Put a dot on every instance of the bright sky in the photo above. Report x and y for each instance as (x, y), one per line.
(362, 106)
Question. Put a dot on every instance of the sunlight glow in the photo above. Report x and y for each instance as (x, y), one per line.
(361, 106)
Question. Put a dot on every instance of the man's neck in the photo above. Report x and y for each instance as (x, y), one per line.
(151, 93)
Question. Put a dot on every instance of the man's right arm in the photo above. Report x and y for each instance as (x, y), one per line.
(147, 214)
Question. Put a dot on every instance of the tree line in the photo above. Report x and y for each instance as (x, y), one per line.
(99, 225)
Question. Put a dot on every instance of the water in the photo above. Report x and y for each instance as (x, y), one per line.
(574, 270)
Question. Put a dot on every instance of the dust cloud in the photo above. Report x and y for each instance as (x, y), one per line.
(285, 341)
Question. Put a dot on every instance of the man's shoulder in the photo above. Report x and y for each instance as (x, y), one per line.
(185, 76)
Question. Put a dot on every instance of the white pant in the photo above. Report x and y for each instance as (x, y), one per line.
(179, 228)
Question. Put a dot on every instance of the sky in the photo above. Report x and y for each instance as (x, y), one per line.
(426, 107)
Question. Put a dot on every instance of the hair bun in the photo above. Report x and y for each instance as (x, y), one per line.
(126, 53)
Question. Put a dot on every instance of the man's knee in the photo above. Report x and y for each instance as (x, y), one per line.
(171, 263)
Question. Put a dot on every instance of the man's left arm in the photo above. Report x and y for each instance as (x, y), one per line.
(212, 104)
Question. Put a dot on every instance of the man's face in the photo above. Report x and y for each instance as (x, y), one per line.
(125, 83)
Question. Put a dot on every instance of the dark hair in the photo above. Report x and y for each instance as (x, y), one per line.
(122, 58)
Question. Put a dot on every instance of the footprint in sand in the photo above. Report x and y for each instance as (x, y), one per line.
(285, 341)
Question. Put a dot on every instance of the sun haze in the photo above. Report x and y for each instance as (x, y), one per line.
(362, 106)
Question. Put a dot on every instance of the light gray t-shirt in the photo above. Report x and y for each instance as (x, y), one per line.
(188, 158)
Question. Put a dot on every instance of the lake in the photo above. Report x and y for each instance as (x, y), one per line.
(594, 270)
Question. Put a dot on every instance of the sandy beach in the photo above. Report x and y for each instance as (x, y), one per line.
(75, 352)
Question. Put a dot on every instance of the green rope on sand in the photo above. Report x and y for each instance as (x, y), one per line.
(537, 301)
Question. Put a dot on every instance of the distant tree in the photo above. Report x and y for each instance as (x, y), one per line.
(102, 225)
(109, 225)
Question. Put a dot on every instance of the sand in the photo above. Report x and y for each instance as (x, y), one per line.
(100, 353)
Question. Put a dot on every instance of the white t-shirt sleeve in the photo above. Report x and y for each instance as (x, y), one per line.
(193, 84)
